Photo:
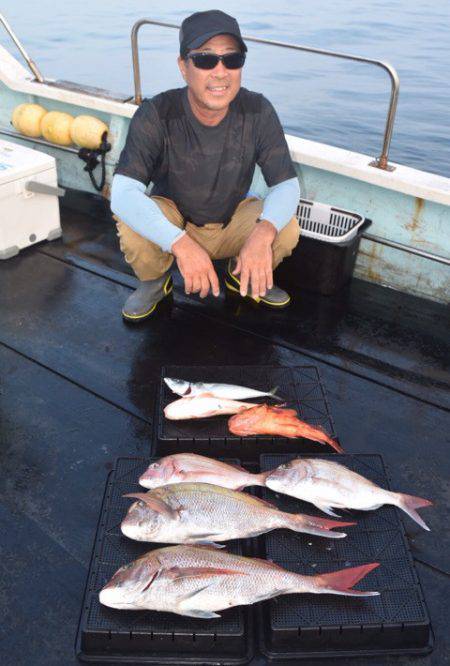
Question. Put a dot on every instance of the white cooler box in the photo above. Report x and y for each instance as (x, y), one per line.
(29, 206)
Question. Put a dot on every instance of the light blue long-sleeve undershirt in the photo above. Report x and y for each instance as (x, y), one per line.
(130, 203)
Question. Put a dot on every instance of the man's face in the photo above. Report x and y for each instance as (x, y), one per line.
(212, 89)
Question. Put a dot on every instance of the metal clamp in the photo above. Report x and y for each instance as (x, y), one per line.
(31, 64)
(381, 162)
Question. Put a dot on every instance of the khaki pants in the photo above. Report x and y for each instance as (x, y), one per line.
(150, 262)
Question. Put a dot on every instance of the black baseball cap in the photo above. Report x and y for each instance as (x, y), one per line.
(197, 28)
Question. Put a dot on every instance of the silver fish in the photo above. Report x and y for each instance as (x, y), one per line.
(197, 582)
(205, 513)
(330, 485)
(193, 468)
(230, 391)
(202, 406)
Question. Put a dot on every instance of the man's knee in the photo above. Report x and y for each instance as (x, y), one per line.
(289, 236)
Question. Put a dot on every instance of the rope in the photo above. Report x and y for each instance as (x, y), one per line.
(92, 157)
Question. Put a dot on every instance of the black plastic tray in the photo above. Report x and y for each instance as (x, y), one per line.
(305, 626)
(300, 387)
(147, 637)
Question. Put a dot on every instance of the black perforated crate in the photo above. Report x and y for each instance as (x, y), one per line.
(300, 387)
(109, 635)
(294, 627)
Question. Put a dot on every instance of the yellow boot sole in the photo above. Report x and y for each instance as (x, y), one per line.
(167, 288)
(258, 299)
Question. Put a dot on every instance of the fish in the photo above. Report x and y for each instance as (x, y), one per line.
(197, 581)
(205, 513)
(229, 391)
(266, 420)
(202, 406)
(193, 468)
(329, 485)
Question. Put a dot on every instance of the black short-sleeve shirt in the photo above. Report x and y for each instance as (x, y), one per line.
(205, 170)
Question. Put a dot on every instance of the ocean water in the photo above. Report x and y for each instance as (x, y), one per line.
(317, 97)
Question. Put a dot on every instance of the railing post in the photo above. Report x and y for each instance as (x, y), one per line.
(31, 64)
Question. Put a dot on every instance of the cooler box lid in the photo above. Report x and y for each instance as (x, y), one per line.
(16, 161)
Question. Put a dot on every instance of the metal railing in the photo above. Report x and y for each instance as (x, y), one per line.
(31, 64)
(407, 248)
(381, 162)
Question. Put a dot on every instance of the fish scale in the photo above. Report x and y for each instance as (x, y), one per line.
(230, 391)
(191, 467)
(201, 512)
(331, 485)
(198, 582)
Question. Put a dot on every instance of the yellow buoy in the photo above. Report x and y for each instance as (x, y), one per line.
(55, 127)
(26, 119)
(86, 131)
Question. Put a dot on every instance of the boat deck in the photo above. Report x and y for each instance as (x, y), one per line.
(78, 388)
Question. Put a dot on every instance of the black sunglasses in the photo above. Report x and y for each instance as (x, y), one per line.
(210, 60)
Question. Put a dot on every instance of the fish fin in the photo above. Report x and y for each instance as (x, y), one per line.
(326, 439)
(156, 504)
(327, 509)
(194, 593)
(206, 537)
(269, 563)
(273, 394)
(210, 544)
(281, 409)
(201, 614)
(195, 612)
(408, 503)
(318, 526)
(270, 595)
(178, 573)
(152, 580)
(335, 444)
(342, 581)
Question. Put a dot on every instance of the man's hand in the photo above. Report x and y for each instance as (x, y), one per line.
(255, 260)
(196, 267)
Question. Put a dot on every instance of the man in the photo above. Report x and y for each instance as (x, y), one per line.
(199, 146)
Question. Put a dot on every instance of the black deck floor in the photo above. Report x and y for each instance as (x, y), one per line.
(78, 388)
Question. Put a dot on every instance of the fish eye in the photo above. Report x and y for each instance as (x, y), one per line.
(141, 503)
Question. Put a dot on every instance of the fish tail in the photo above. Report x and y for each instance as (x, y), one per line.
(333, 442)
(273, 394)
(319, 434)
(342, 581)
(336, 445)
(318, 526)
(259, 479)
(409, 504)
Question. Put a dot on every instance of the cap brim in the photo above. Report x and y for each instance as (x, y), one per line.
(196, 43)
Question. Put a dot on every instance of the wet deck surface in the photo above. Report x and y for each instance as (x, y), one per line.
(78, 389)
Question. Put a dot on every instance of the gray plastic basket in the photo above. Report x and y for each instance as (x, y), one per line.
(327, 223)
